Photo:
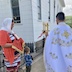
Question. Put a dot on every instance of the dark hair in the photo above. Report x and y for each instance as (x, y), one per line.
(60, 16)
(44, 31)
(12, 20)
(26, 50)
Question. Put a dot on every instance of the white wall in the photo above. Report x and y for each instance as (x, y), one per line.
(52, 20)
(58, 8)
(5, 10)
(30, 27)
(38, 24)
(25, 28)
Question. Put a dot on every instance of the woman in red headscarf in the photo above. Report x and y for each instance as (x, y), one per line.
(11, 46)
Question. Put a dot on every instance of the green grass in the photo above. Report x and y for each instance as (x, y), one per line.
(69, 20)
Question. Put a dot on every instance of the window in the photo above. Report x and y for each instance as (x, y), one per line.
(39, 9)
(49, 11)
(15, 11)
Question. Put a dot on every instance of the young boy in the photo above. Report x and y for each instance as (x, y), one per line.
(28, 59)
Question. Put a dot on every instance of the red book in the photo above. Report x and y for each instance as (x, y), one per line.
(18, 45)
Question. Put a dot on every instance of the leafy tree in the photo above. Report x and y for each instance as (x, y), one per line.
(69, 20)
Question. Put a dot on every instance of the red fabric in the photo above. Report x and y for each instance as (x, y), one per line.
(8, 52)
(21, 40)
(3, 37)
(40, 35)
(18, 43)
(13, 69)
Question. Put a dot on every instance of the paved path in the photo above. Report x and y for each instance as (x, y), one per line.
(38, 65)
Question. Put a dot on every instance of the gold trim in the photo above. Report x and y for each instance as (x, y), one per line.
(66, 34)
(23, 45)
(18, 49)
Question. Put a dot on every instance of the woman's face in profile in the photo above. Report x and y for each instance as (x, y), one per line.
(12, 25)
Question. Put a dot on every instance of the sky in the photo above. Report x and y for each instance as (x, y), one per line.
(68, 8)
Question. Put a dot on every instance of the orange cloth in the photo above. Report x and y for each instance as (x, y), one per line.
(9, 52)
(3, 37)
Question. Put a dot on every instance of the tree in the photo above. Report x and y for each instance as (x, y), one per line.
(69, 20)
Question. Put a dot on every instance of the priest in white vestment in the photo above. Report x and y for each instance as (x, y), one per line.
(58, 47)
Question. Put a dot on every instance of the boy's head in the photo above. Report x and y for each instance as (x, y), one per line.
(27, 50)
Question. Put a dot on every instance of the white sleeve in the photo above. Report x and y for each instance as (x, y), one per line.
(46, 49)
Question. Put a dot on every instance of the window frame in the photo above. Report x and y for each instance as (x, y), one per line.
(16, 18)
(54, 9)
(49, 10)
(39, 10)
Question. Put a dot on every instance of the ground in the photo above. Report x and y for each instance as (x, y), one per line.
(38, 65)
